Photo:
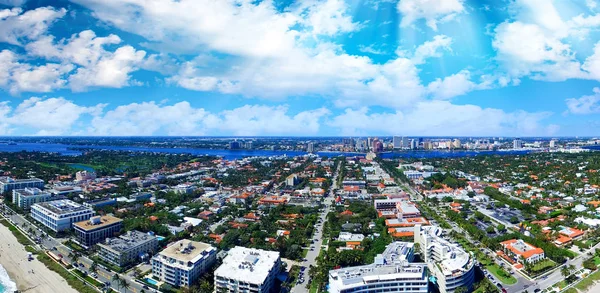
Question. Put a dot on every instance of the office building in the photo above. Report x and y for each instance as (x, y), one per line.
(405, 142)
(24, 198)
(234, 145)
(59, 215)
(456, 143)
(413, 144)
(310, 147)
(183, 262)
(8, 184)
(397, 142)
(128, 248)
(553, 144)
(248, 270)
(392, 271)
(517, 143)
(249, 145)
(450, 265)
(96, 230)
(85, 175)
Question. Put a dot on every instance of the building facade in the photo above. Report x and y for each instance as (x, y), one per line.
(450, 265)
(96, 229)
(59, 215)
(392, 271)
(183, 262)
(248, 270)
(24, 198)
(128, 248)
(8, 184)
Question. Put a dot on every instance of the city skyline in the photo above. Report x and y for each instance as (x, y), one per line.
(447, 68)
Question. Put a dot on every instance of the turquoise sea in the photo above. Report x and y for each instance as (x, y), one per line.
(6, 284)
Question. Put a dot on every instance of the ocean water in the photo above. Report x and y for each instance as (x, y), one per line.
(6, 284)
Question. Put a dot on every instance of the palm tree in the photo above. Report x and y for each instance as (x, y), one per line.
(124, 284)
(117, 280)
(94, 267)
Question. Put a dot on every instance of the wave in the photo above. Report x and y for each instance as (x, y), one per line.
(6, 282)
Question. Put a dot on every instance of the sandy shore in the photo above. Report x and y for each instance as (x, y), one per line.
(13, 258)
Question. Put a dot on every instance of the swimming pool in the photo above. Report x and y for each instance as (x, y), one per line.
(151, 281)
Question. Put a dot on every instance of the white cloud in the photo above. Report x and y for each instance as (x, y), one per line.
(591, 4)
(585, 105)
(233, 27)
(432, 11)
(18, 77)
(328, 17)
(435, 117)
(46, 116)
(16, 26)
(97, 66)
(451, 86)
(592, 63)
(151, 118)
(525, 49)
(432, 48)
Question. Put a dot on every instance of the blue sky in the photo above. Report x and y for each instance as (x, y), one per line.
(311, 67)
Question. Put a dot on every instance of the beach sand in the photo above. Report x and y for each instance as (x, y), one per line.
(13, 258)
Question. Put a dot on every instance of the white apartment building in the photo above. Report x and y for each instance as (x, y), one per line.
(128, 248)
(7, 184)
(24, 198)
(392, 271)
(59, 215)
(248, 270)
(183, 262)
(450, 265)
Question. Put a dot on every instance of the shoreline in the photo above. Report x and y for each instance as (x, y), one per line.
(31, 276)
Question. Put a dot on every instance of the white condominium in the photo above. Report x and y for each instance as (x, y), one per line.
(448, 263)
(393, 271)
(248, 270)
(24, 198)
(128, 249)
(59, 215)
(8, 184)
(183, 262)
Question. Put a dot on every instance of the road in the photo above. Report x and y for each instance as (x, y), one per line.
(52, 244)
(312, 254)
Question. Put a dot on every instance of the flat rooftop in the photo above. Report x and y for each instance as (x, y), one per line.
(396, 260)
(97, 222)
(453, 257)
(247, 264)
(30, 192)
(62, 206)
(5, 180)
(187, 250)
(127, 241)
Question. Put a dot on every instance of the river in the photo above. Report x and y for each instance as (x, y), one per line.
(69, 150)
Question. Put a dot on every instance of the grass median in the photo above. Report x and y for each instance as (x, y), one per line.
(73, 281)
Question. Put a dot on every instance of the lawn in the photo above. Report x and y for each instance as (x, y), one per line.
(89, 279)
(542, 266)
(72, 280)
(488, 263)
(20, 237)
(588, 281)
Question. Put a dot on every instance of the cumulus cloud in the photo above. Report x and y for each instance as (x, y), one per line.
(17, 26)
(53, 116)
(432, 11)
(451, 86)
(589, 104)
(97, 67)
(432, 48)
(150, 118)
(435, 117)
(537, 42)
(328, 17)
(17, 76)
